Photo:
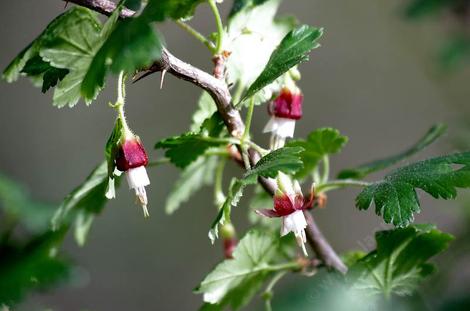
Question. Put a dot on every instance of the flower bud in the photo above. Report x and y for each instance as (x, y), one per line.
(132, 159)
(287, 105)
(284, 111)
(131, 154)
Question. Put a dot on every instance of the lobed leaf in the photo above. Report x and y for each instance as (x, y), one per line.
(185, 149)
(399, 262)
(243, 275)
(395, 196)
(319, 143)
(361, 171)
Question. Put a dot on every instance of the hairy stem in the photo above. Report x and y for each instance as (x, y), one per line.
(197, 35)
(220, 26)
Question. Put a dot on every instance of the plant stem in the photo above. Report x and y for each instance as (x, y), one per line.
(120, 101)
(326, 169)
(336, 184)
(220, 26)
(158, 162)
(196, 34)
(268, 292)
(219, 196)
(246, 134)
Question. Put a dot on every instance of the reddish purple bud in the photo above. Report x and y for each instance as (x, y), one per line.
(287, 105)
(131, 154)
(283, 206)
(229, 246)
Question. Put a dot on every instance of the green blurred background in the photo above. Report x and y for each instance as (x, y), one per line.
(375, 78)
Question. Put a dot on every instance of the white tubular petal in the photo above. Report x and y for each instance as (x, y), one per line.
(284, 183)
(295, 223)
(137, 177)
(281, 127)
(110, 191)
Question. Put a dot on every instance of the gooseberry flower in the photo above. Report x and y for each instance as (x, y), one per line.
(131, 158)
(285, 110)
(289, 204)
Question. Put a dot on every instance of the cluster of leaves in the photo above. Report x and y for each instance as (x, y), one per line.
(395, 268)
(29, 261)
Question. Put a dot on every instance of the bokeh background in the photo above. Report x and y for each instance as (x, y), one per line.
(375, 78)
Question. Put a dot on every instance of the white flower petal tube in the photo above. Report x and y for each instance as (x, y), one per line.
(137, 179)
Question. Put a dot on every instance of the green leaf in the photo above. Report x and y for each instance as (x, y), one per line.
(83, 203)
(292, 50)
(31, 267)
(234, 194)
(50, 75)
(252, 35)
(112, 146)
(132, 45)
(68, 43)
(363, 170)
(245, 273)
(420, 8)
(286, 160)
(395, 196)
(16, 203)
(159, 10)
(400, 261)
(319, 143)
(185, 149)
(195, 176)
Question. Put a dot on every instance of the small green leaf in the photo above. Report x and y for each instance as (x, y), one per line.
(15, 202)
(195, 176)
(131, 45)
(112, 146)
(363, 170)
(69, 43)
(234, 194)
(319, 143)
(185, 149)
(246, 271)
(292, 50)
(286, 160)
(83, 203)
(399, 263)
(395, 196)
(31, 267)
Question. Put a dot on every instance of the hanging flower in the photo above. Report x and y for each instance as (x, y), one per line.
(131, 158)
(285, 110)
(289, 204)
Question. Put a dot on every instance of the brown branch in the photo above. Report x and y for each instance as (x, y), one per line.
(219, 91)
